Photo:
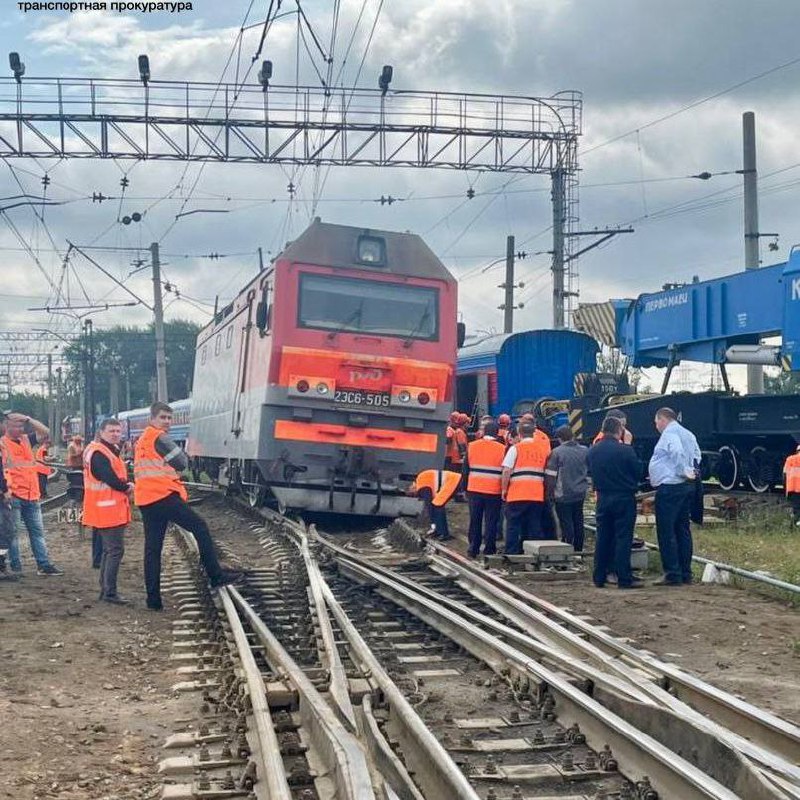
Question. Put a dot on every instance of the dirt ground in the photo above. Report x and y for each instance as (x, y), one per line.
(85, 699)
(85, 687)
(731, 637)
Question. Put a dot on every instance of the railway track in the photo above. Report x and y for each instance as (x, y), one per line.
(424, 677)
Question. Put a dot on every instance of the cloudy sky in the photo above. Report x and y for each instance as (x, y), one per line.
(635, 61)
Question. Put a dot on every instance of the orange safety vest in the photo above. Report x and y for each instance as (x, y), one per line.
(485, 457)
(456, 440)
(527, 474)
(626, 434)
(104, 507)
(791, 469)
(441, 482)
(154, 478)
(20, 468)
(41, 455)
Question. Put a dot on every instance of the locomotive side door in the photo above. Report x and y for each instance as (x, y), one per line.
(256, 323)
(241, 370)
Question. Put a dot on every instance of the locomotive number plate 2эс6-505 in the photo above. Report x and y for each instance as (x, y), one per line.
(360, 397)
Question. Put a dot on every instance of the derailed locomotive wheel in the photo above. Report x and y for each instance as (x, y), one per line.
(728, 468)
(256, 492)
(759, 469)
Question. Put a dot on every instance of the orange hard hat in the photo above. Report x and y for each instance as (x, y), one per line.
(504, 420)
(455, 417)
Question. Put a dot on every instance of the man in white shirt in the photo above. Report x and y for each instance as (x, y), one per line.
(673, 470)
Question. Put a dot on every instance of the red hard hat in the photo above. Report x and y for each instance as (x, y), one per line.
(504, 420)
(454, 418)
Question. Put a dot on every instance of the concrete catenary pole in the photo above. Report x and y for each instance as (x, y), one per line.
(51, 409)
(59, 410)
(508, 286)
(113, 392)
(755, 373)
(158, 325)
(559, 197)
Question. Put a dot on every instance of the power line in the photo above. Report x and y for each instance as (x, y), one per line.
(693, 104)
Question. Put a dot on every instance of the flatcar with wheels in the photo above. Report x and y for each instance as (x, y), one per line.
(744, 440)
(327, 383)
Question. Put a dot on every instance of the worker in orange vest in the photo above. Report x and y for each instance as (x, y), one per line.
(523, 487)
(482, 425)
(74, 463)
(483, 470)
(161, 497)
(456, 444)
(616, 413)
(22, 477)
(436, 487)
(106, 507)
(42, 470)
(504, 433)
(791, 482)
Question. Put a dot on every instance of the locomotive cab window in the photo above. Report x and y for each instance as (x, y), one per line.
(379, 308)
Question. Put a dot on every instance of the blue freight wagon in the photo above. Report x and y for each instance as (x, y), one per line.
(508, 372)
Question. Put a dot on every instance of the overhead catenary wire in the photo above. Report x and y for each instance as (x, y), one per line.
(689, 106)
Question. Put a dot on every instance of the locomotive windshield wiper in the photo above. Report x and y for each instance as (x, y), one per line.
(418, 327)
(356, 315)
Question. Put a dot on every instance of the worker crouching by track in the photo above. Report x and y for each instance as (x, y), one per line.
(436, 487)
(161, 497)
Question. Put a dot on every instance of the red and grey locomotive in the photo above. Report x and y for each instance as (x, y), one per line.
(328, 381)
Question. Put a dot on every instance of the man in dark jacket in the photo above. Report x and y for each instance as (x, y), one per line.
(615, 472)
(566, 483)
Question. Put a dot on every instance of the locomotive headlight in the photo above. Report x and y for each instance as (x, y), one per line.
(404, 396)
(322, 388)
(423, 398)
(302, 386)
(371, 250)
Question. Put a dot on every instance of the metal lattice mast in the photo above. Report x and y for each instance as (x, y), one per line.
(192, 121)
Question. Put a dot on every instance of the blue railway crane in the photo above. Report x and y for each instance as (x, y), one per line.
(744, 440)
(720, 321)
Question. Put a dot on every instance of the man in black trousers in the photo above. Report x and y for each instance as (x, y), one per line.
(615, 472)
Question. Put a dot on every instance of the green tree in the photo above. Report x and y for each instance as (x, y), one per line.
(28, 403)
(127, 354)
(782, 383)
(611, 360)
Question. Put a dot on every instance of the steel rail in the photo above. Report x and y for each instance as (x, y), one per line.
(339, 749)
(269, 747)
(441, 779)
(398, 783)
(526, 617)
(671, 775)
(672, 730)
(339, 686)
(544, 648)
(770, 731)
(54, 501)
